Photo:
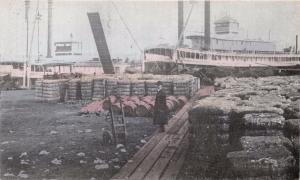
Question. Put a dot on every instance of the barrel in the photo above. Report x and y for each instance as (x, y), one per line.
(170, 105)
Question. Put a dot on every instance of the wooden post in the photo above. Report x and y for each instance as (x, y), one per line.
(113, 130)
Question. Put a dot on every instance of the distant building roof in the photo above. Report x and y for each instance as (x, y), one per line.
(226, 19)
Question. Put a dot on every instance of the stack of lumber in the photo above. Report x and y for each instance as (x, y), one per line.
(51, 90)
(74, 89)
(138, 88)
(98, 89)
(86, 89)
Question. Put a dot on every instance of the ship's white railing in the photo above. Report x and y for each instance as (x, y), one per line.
(190, 56)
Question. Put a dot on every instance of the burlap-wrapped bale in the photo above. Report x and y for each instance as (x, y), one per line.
(123, 88)
(276, 162)
(86, 89)
(51, 90)
(292, 127)
(167, 86)
(99, 89)
(262, 142)
(74, 89)
(181, 87)
(138, 88)
(111, 87)
(263, 124)
(151, 87)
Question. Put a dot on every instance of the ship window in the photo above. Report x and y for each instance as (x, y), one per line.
(197, 55)
(188, 55)
(193, 55)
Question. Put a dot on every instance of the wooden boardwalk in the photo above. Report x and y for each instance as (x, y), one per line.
(163, 155)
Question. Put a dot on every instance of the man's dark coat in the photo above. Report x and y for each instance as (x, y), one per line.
(160, 108)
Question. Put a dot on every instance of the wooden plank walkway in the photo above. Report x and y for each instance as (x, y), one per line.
(162, 156)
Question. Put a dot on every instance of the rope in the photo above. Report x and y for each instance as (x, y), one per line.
(130, 33)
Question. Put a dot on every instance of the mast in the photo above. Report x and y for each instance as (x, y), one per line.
(49, 29)
(27, 3)
(207, 25)
(180, 22)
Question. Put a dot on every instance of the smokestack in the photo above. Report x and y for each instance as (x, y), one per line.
(296, 50)
(49, 29)
(207, 25)
(180, 21)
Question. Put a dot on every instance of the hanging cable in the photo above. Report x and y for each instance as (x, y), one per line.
(123, 21)
(33, 31)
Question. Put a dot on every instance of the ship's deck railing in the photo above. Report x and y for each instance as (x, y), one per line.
(190, 56)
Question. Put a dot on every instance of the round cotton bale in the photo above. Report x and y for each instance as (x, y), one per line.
(143, 109)
(182, 100)
(170, 105)
(135, 99)
(116, 108)
(129, 108)
(106, 103)
(174, 100)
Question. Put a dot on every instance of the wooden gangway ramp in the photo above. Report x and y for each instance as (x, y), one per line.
(163, 155)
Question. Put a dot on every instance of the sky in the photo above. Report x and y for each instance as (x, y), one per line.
(150, 22)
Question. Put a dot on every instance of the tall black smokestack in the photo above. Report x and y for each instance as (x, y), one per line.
(296, 49)
(180, 21)
(207, 25)
(49, 43)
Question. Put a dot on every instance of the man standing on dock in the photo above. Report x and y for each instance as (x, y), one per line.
(160, 108)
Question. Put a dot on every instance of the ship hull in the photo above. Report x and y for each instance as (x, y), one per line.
(219, 71)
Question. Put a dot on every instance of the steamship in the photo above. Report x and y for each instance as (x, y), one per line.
(225, 50)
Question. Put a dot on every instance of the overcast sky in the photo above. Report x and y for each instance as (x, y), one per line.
(151, 23)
